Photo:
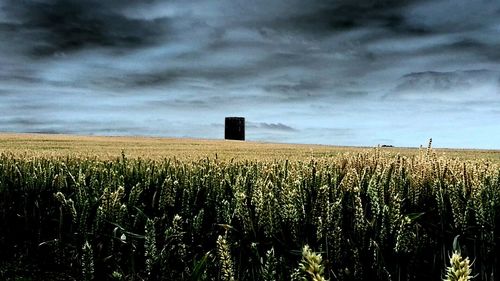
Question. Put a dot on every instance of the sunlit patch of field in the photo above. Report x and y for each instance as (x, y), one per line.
(44, 145)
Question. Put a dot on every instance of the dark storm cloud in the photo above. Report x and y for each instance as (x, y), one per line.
(340, 15)
(68, 25)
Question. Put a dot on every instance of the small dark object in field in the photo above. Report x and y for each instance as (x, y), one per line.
(387, 145)
(235, 128)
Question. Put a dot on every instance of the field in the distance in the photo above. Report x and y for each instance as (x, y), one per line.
(45, 145)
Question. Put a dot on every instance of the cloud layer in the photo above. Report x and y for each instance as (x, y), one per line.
(344, 72)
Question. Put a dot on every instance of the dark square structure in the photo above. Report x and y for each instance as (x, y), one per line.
(235, 128)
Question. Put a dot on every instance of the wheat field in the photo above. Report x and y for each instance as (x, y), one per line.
(121, 208)
(49, 145)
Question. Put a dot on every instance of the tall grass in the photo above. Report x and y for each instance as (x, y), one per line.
(364, 216)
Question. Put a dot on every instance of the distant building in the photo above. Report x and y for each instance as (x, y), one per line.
(234, 128)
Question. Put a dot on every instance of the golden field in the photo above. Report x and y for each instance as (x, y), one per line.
(45, 145)
(164, 209)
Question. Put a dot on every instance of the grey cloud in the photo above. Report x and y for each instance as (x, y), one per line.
(325, 17)
(454, 15)
(263, 131)
(23, 122)
(275, 127)
(460, 45)
(53, 125)
(293, 87)
(68, 25)
(446, 81)
(293, 90)
(467, 44)
(186, 104)
(297, 90)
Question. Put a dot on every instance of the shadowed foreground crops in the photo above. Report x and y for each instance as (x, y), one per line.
(370, 215)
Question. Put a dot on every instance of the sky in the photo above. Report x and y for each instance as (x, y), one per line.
(340, 72)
